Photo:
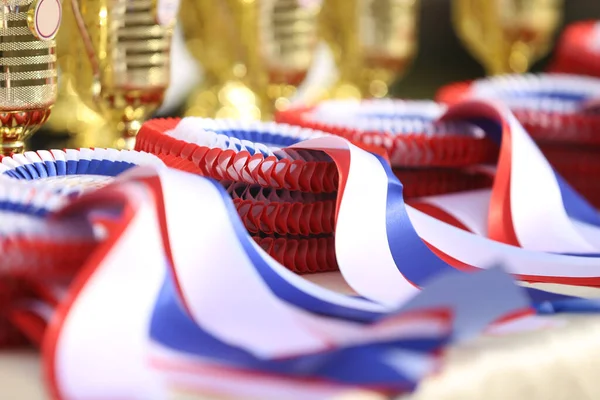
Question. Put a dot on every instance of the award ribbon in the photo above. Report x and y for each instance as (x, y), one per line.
(264, 324)
(180, 291)
(558, 110)
(429, 156)
(229, 150)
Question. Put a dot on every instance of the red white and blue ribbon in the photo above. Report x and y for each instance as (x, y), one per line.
(215, 300)
(410, 132)
(552, 107)
(178, 290)
(559, 111)
(527, 195)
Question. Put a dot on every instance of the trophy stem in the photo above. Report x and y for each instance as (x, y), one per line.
(128, 130)
(513, 59)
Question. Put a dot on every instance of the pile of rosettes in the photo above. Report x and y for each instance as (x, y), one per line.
(343, 247)
(280, 259)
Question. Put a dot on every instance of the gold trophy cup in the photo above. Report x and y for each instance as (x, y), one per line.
(254, 53)
(506, 36)
(28, 75)
(372, 41)
(71, 118)
(119, 61)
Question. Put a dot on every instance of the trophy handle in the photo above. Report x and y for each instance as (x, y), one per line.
(89, 47)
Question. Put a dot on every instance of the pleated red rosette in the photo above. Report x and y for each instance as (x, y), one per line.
(295, 228)
(559, 111)
(282, 212)
(206, 145)
(406, 130)
(551, 107)
(285, 197)
(420, 182)
(578, 49)
(303, 255)
(429, 156)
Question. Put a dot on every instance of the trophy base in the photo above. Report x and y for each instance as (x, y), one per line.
(12, 148)
(125, 134)
(232, 99)
(366, 89)
(17, 126)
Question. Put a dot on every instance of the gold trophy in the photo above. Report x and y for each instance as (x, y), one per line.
(506, 36)
(28, 75)
(119, 60)
(372, 41)
(254, 53)
(71, 118)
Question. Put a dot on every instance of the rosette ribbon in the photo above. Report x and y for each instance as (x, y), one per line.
(428, 156)
(38, 255)
(183, 296)
(176, 293)
(73, 170)
(559, 111)
(532, 221)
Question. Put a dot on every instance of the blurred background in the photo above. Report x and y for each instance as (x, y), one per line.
(442, 59)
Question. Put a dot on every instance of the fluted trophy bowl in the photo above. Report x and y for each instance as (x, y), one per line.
(28, 74)
(373, 43)
(119, 58)
(254, 53)
(507, 36)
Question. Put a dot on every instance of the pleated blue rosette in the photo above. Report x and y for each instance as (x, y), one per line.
(74, 170)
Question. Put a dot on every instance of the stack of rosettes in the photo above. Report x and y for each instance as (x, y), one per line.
(285, 198)
(429, 157)
(559, 111)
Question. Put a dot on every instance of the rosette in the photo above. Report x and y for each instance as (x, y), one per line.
(560, 113)
(73, 170)
(406, 130)
(428, 156)
(578, 49)
(238, 151)
(285, 196)
(283, 212)
(36, 250)
(177, 294)
(551, 107)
